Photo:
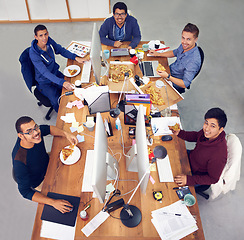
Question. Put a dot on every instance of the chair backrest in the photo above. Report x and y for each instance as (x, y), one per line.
(232, 169)
(27, 69)
(202, 60)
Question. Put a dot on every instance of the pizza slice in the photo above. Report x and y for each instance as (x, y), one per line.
(176, 127)
(161, 67)
(67, 151)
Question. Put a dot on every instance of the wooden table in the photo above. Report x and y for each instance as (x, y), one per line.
(67, 180)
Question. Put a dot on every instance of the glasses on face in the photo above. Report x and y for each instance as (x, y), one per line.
(119, 14)
(31, 131)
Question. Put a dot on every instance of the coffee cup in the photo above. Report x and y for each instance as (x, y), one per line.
(84, 215)
(78, 83)
(145, 47)
(132, 53)
(157, 44)
(90, 125)
(106, 53)
(189, 200)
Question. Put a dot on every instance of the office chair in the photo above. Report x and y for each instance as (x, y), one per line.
(28, 72)
(202, 60)
(231, 172)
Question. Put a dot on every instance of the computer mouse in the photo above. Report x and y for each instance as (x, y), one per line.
(166, 138)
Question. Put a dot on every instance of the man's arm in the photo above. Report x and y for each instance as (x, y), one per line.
(136, 34)
(61, 205)
(104, 31)
(179, 82)
(168, 54)
(57, 132)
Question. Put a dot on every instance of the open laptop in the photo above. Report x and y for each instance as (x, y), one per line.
(149, 68)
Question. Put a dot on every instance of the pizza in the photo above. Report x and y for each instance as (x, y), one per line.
(155, 96)
(161, 67)
(67, 151)
(176, 127)
(72, 71)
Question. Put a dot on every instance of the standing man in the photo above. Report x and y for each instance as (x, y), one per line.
(208, 158)
(30, 160)
(42, 54)
(188, 61)
(120, 27)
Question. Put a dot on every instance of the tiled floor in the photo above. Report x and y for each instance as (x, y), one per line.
(220, 83)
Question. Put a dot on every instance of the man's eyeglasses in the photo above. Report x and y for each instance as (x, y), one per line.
(31, 131)
(119, 14)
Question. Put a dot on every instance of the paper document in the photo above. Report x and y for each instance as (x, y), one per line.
(57, 231)
(95, 223)
(164, 170)
(171, 226)
(160, 125)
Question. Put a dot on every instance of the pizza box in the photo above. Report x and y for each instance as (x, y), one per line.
(173, 95)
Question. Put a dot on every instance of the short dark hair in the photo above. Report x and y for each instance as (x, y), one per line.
(192, 28)
(20, 121)
(218, 114)
(39, 28)
(121, 6)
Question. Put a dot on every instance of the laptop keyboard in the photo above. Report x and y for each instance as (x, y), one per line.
(148, 68)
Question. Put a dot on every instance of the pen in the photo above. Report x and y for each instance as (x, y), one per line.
(162, 49)
(175, 214)
(176, 188)
(87, 207)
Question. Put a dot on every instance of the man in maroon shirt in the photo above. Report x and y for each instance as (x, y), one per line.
(208, 158)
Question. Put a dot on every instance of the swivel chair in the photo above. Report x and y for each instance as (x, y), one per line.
(202, 60)
(28, 72)
(231, 172)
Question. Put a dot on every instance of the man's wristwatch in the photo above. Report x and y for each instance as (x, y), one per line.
(167, 78)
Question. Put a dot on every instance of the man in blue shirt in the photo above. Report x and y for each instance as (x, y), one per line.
(120, 27)
(30, 160)
(188, 61)
(42, 54)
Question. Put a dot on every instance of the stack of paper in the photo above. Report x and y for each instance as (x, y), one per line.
(160, 125)
(174, 221)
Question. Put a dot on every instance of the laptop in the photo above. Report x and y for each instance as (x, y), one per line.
(149, 68)
(115, 52)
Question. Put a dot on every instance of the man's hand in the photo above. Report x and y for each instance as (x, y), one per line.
(62, 205)
(129, 48)
(72, 138)
(80, 60)
(181, 180)
(175, 132)
(117, 44)
(163, 74)
(68, 86)
(154, 53)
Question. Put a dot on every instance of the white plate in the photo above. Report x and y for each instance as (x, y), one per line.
(71, 67)
(73, 158)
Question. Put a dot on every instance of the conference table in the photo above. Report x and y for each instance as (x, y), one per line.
(67, 179)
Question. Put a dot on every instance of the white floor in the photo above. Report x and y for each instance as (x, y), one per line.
(220, 83)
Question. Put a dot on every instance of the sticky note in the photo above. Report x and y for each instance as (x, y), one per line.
(80, 129)
(151, 179)
(72, 129)
(80, 138)
(75, 124)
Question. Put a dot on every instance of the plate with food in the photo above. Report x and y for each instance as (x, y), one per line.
(71, 71)
(70, 155)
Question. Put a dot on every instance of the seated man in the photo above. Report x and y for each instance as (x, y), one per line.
(30, 160)
(208, 158)
(120, 27)
(188, 61)
(49, 79)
